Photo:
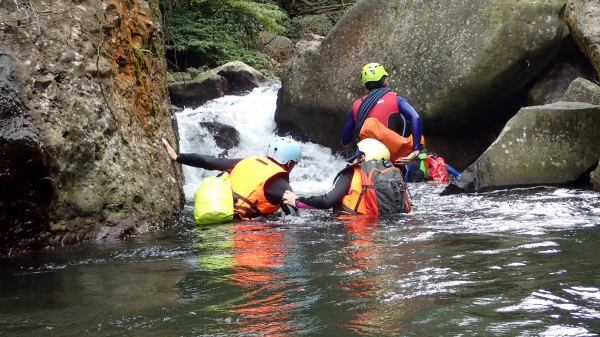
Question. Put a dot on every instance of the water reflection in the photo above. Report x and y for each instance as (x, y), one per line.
(249, 257)
(259, 254)
(373, 276)
(470, 269)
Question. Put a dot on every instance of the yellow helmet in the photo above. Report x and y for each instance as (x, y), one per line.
(372, 72)
(372, 148)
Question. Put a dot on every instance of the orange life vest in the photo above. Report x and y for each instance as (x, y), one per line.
(399, 146)
(361, 198)
(248, 179)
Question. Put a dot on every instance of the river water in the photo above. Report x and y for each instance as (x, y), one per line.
(519, 262)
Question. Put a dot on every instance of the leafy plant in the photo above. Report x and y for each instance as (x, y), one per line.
(204, 34)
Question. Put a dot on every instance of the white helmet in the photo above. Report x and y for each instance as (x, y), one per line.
(372, 148)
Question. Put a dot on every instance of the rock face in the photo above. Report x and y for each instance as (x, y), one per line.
(84, 104)
(546, 144)
(459, 63)
(582, 17)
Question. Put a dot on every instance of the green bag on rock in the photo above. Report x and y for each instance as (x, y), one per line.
(213, 200)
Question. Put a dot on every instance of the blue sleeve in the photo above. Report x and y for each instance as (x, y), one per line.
(348, 130)
(452, 171)
(415, 121)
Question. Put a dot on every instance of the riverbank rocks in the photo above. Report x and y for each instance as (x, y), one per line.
(546, 144)
(84, 104)
(463, 65)
(279, 46)
(178, 77)
(584, 91)
(233, 78)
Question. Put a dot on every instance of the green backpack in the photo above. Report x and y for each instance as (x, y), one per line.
(213, 200)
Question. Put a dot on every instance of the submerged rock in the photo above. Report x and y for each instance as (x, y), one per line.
(226, 136)
(546, 144)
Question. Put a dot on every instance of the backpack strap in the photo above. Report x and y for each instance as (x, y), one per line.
(249, 212)
(362, 194)
(345, 210)
(396, 194)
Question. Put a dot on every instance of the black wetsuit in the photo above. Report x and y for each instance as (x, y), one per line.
(336, 193)
(274, 186)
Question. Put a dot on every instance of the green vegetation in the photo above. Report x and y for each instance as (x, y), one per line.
(204, 34)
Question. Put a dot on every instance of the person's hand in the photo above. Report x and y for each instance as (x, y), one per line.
(406, 160)
(289, 198)
(172, 154)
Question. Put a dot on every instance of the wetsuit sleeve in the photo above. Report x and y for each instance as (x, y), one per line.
(207, 162)
(348, 130)
(415, 121)
(333, 197)
(276, 186)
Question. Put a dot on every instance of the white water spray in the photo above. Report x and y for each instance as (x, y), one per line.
(252, 116)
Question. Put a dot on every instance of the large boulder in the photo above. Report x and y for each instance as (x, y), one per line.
(582, 18)
(194, 93)
(83, 105)
(241, 78)
(278, 46)
(546, 144)
(457, 62)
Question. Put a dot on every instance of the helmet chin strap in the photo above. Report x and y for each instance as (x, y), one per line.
(289, 165)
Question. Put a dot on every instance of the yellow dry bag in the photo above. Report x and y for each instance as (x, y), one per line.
(213, 201)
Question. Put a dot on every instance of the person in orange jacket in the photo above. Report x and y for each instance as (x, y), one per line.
(258, 182)
(347, 195)
(382, 115)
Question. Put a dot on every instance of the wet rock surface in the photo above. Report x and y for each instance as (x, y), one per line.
(546, 144)
(83, 105)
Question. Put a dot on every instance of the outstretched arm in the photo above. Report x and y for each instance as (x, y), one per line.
(333, 197)
(198, 160)
(170, 151)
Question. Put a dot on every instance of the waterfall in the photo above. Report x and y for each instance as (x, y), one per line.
(252, 116)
